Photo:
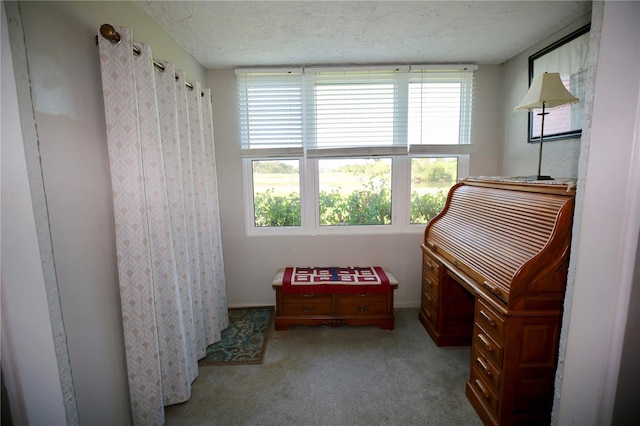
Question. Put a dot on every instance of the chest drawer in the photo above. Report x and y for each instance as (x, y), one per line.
(362, 304)
(306, 304)
(306, 297)
(363, 297)
(309, 307)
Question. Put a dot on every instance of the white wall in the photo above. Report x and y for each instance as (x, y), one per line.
(604, 259)
(487, 122)
(519, 158)
(251, 262)
(28, 353)
(67, 100)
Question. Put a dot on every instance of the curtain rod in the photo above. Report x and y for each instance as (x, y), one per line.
(109, 32)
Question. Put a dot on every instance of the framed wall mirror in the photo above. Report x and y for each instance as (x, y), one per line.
(568, 56)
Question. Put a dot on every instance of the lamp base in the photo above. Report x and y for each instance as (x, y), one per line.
(538, 177)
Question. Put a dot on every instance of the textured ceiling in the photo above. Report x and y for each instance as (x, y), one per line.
(228, 34)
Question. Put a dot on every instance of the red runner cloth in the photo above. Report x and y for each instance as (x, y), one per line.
(334, 279)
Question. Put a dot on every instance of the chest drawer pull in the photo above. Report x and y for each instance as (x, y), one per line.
(363, 294)
(483, 366)
(308, 294)
(307, 308)
(485, 342)
(429, 265)
(483, 390)
(362, 308)
(491, 322)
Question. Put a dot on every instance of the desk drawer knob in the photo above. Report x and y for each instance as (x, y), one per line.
(486, 342)
(483, 389)
(493, 288)
(483, 366)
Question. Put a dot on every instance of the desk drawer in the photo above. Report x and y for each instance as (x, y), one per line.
(490, 321)
(486, 368)
(483, 391)
(487, 346)
(428, 299)
(430, 285)
(430, 313)
(430, 266)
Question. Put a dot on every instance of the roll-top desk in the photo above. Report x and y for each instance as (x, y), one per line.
(494, 275)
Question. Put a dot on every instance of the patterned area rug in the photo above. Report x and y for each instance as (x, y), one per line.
(245, 340)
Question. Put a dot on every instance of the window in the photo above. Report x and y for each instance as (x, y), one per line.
(431, 178)
(276, 193)
(358, 149)
(354, 191)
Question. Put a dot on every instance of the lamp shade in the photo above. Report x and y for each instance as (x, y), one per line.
(546, 89)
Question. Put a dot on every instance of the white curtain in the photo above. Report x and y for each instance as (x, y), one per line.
(161, 153)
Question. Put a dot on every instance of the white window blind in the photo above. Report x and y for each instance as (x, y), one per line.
(354, 111)
(440, 106)
(270, 107)
(357, 107)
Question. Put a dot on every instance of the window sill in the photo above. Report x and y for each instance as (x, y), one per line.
(336, 231)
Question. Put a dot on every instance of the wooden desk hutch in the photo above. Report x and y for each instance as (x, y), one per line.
(494, 274)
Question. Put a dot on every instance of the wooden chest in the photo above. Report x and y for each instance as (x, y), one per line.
(334, 309)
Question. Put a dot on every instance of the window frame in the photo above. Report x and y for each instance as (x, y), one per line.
(309, 196)
(558, 45)
(309, 155)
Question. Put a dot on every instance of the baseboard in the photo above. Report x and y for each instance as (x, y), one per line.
(397, 305)
(248, 305)
(412, 304)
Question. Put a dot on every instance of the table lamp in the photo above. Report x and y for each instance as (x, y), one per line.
(546, 92)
